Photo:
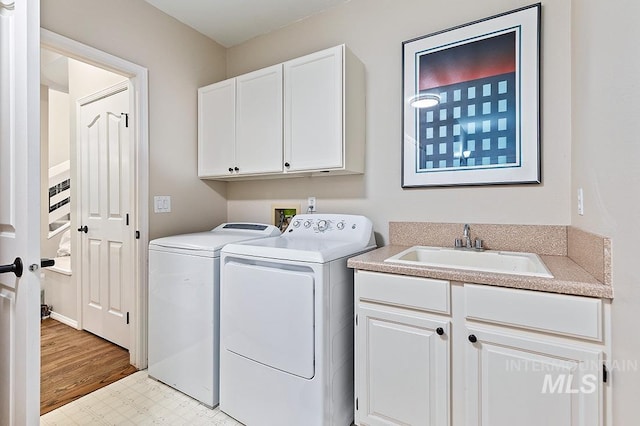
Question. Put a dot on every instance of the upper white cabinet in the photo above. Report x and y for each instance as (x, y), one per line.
(216, 128)
(304, 116)
(324, 112)
(238, 123)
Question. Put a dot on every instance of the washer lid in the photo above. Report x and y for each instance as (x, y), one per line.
(214, 240)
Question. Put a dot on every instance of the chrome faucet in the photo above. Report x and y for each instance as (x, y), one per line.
(466, 234)
(468, 244)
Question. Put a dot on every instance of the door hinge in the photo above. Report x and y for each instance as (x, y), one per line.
(127, 219)
(605, 373)
(356, 403)
(126, 119)
(356, 320)
(127, 317)
(137, 235)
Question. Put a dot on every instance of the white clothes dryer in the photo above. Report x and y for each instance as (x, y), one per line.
(286, 354)
(184, 296)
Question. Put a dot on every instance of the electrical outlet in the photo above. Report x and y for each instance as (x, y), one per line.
(311, 204)
(580, 202)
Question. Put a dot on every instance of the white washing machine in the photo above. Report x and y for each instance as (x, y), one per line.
(286, 324)
(184, 290)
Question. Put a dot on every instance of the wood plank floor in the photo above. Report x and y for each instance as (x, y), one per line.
(75, 363)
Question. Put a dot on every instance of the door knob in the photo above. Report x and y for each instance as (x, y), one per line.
(473, 338)
(15, 267)
(84, 229)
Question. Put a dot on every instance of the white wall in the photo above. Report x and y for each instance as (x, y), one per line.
(45, 248)
(59, 127)
(179, 61)
(55, 137)
(374, 30)
(606, 149)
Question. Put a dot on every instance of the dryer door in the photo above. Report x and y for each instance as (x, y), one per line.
(267, 315)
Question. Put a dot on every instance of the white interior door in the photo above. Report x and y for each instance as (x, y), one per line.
(19, 212)
(105, 197)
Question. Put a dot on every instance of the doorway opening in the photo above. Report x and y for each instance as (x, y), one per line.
(91, 72)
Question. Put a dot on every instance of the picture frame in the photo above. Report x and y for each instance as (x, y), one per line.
(471, 111)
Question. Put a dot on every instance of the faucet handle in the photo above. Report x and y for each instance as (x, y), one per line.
(478, 244)
(458, 243)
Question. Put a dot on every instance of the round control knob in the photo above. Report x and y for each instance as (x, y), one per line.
(473, 338)
(296, 223)
(340, 225)
(323, 225)
(307, 223)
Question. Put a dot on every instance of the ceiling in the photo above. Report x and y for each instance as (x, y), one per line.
(232, 22)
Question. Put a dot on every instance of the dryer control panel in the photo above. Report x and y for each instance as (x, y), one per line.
(330, 226)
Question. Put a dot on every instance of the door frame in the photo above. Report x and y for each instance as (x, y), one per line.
(139, 107)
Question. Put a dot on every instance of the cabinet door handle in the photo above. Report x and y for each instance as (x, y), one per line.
(473, 338)
(287, 165)
(231, 169)
(236, 169)
(440, 331)
(84, 229)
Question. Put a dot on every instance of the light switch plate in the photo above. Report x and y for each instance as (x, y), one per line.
(580, 202)
(162, 204)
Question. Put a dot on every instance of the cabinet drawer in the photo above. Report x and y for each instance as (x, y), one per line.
(401, 290)
(554, 313)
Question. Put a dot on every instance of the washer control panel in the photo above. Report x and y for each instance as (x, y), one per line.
(329, 225)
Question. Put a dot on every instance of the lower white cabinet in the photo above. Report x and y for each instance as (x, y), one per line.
(477, 355)
(531, 381)
(403, 369)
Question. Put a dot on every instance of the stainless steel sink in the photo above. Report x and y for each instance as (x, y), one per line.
(502, 262)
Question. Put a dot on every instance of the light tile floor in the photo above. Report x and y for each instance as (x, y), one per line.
(136, 400)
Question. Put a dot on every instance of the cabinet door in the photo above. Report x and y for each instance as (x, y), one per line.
(259, 121)
(513, 380)
(216, 129)
(402, 367)
(313, 105)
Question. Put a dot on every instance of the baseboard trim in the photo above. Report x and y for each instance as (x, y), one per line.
(65, 320)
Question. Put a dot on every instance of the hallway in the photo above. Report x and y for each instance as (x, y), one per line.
(75, 363)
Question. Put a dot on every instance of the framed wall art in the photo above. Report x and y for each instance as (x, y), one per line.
(471, 103)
